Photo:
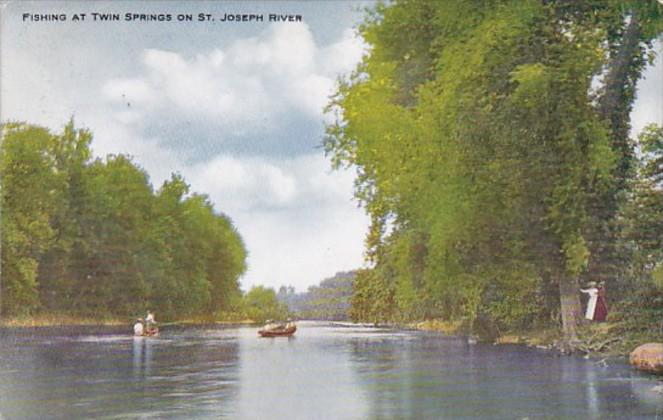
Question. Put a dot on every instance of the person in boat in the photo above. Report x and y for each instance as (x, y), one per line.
(150, 317)
(593, 293)
(139, 329)
(290, 324)
(150, 323)
(270, 325)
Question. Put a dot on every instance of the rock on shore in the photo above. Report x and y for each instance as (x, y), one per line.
(648, 357)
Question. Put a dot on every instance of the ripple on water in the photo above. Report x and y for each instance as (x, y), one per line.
(105, 338)
(372, 373)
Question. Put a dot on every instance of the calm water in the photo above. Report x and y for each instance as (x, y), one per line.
(323, 372)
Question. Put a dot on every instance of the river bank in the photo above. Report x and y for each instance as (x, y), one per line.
(605, 339)
(324, 372)
(54, 320)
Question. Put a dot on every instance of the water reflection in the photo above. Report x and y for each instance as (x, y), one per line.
(79, 376)
(433, 377)
(302, 378)
(321, 373)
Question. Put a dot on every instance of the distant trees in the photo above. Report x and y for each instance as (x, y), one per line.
(491, 143)
(330, 300)
(261, 304)
(92, 236)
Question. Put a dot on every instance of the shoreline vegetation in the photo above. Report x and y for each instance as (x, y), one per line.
(600, 340)
(498, 163)
(63, 320)
(604, 340)
(91, 240)
(493, 155)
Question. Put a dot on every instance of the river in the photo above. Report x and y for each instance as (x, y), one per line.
(323, 372)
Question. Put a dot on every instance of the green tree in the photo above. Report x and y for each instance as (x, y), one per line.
(260, 304)
(30, 189)
(481, 149)
(58, 266)
(92, 237)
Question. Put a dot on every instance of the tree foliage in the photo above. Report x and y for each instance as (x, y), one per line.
(489, 162)
(93, 237)
(261, 304)
(329, 300)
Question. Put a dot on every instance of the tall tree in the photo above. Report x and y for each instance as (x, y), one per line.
(481, 150)
(30, 190)
(93, 237)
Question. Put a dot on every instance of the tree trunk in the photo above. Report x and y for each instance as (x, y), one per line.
(570, 309)
(615, 106)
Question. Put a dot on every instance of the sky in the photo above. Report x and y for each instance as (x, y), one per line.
(236, 108)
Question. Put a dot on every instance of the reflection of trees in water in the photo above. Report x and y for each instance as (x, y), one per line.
(434, 377)
(192, 374)
(122, 376)
(406, 378)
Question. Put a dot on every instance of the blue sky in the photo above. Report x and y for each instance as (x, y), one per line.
(236, 108)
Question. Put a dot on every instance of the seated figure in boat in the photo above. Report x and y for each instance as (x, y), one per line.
(271, 325)
(139, 329)
(150, 324)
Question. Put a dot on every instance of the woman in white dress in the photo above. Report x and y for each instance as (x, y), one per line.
(593, 293)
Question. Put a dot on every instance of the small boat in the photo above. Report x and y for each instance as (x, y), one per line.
(278, 332)
(151, 332)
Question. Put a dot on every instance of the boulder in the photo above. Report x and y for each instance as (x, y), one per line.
(648, 357)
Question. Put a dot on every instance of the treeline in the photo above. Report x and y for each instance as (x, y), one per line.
(92, 237)
(261, 304)
(493, 153)
(330, 300)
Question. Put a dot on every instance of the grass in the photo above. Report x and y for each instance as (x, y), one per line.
(49, 320)
(605, 339)
(438, 325)
(52, 320)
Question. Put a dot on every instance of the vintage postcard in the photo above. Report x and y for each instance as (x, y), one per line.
(343, 209)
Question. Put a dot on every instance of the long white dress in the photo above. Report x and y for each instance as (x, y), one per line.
(593, 293)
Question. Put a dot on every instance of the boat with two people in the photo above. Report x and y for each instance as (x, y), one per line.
(278, 329)
(146, 327)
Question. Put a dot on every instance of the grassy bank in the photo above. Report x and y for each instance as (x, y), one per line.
(606, 339)
(53, 320)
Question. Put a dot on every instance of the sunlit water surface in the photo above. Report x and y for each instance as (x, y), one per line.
(323, 372)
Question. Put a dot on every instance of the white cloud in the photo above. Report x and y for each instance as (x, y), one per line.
(244, 184)
(158, 99)
(343, 55)
(251, 81)
(295, 215)
(649, 95)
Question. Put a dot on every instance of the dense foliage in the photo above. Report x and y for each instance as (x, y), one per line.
(88, 236)
(260, 304)
(330, 300)
(493, 157)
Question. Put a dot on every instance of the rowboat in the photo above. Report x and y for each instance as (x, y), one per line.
(278, 332)
(151, 332)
